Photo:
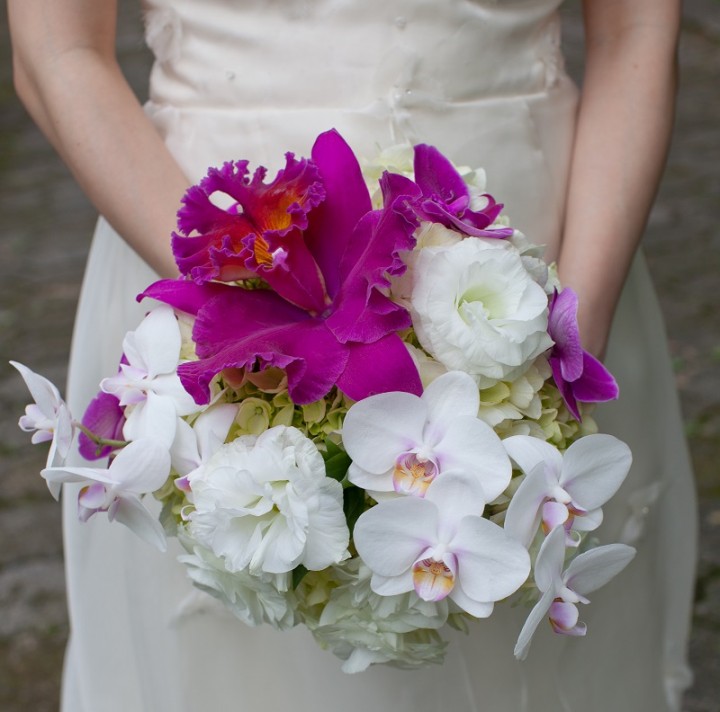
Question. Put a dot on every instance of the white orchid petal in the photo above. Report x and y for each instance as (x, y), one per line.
(537, 614)
(212, 427)
(472, 446)
(491, 564)
(169, 386)
(554, 514)
(157, 342)
(185, 453)
(378, 429)
(593, 469)
(550, 561)
(390, 536)
(450, 395)
(140, 467)
(392, 585)
(528, 452)
(61, 475)
(44, 393)
(154, 419)
(456, 495)
(479, 609)
(131, 512)
(369, 481)
(594, 568)
(523, 514)
(589, 521)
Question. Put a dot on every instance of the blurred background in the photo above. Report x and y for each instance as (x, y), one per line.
(45, 229)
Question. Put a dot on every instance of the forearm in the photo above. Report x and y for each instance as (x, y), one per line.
(80, 99)
(623, 130)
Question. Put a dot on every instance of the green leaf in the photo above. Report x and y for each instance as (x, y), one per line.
(337, 461)
(353, 505)
(298, 575)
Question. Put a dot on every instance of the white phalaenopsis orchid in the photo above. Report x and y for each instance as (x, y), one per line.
(563, 590)
(567, 489)
(401, 442)
(148, 382)
(48, 418)
(139, 468)
(441, 546)
(265, 503)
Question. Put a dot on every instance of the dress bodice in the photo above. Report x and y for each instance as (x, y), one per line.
(272, 54)
(480, 79)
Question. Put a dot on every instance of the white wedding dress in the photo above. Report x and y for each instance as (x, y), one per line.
(482, 80)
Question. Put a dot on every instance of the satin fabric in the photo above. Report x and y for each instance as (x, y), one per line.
(484, 82)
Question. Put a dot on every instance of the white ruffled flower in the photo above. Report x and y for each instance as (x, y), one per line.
(265, 503)
(265, 598)
(477, 309)
(363, 628)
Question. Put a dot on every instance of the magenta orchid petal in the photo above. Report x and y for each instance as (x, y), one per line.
(285, 263)
(380, 367)
(578, 375)
(347, 200)
(596, 383)
(219, 250)
(362, 312)
(312, 358)
(183, 295)
(104, 417)
(563, 330)
(446, 197)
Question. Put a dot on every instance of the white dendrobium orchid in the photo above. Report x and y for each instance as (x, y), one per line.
(441, 546)
(148, 383)
(195, 445)
(567, 489)
(562, 590)
(139, 468)
(476, 308)
(265, 503)
(48, 418)
(401, 442)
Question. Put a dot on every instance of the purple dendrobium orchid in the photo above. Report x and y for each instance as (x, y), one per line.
(105, 418)
(440, 195)
(326, 319)
(578, 375)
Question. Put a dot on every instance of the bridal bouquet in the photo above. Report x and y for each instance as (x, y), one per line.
(361, 408)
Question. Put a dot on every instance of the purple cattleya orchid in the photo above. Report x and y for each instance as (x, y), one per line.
(440, 195)
(578, 375)
(326, 319)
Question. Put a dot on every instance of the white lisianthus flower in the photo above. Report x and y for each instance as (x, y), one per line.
(265, 598)
(476, 309)
(265, 503)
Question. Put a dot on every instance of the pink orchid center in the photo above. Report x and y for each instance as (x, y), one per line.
(433, 579)
(413, 474)
(564, 619)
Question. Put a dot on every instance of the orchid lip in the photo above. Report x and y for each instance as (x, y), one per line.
(433, 579)
(413, 474)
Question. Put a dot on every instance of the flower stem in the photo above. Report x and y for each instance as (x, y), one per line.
(98, 440)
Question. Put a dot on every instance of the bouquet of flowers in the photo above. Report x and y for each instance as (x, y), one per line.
(362, 408)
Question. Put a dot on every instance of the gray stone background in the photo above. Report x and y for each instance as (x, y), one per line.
(45, 227)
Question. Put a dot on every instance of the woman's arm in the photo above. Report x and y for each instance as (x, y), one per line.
(623, 132)
(67, 76)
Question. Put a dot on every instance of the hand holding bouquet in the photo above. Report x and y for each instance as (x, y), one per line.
(361, 407)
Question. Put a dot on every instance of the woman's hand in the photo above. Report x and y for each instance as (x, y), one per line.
(67, 76)
(623, 132)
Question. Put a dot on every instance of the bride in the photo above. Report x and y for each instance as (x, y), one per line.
(482, 80)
